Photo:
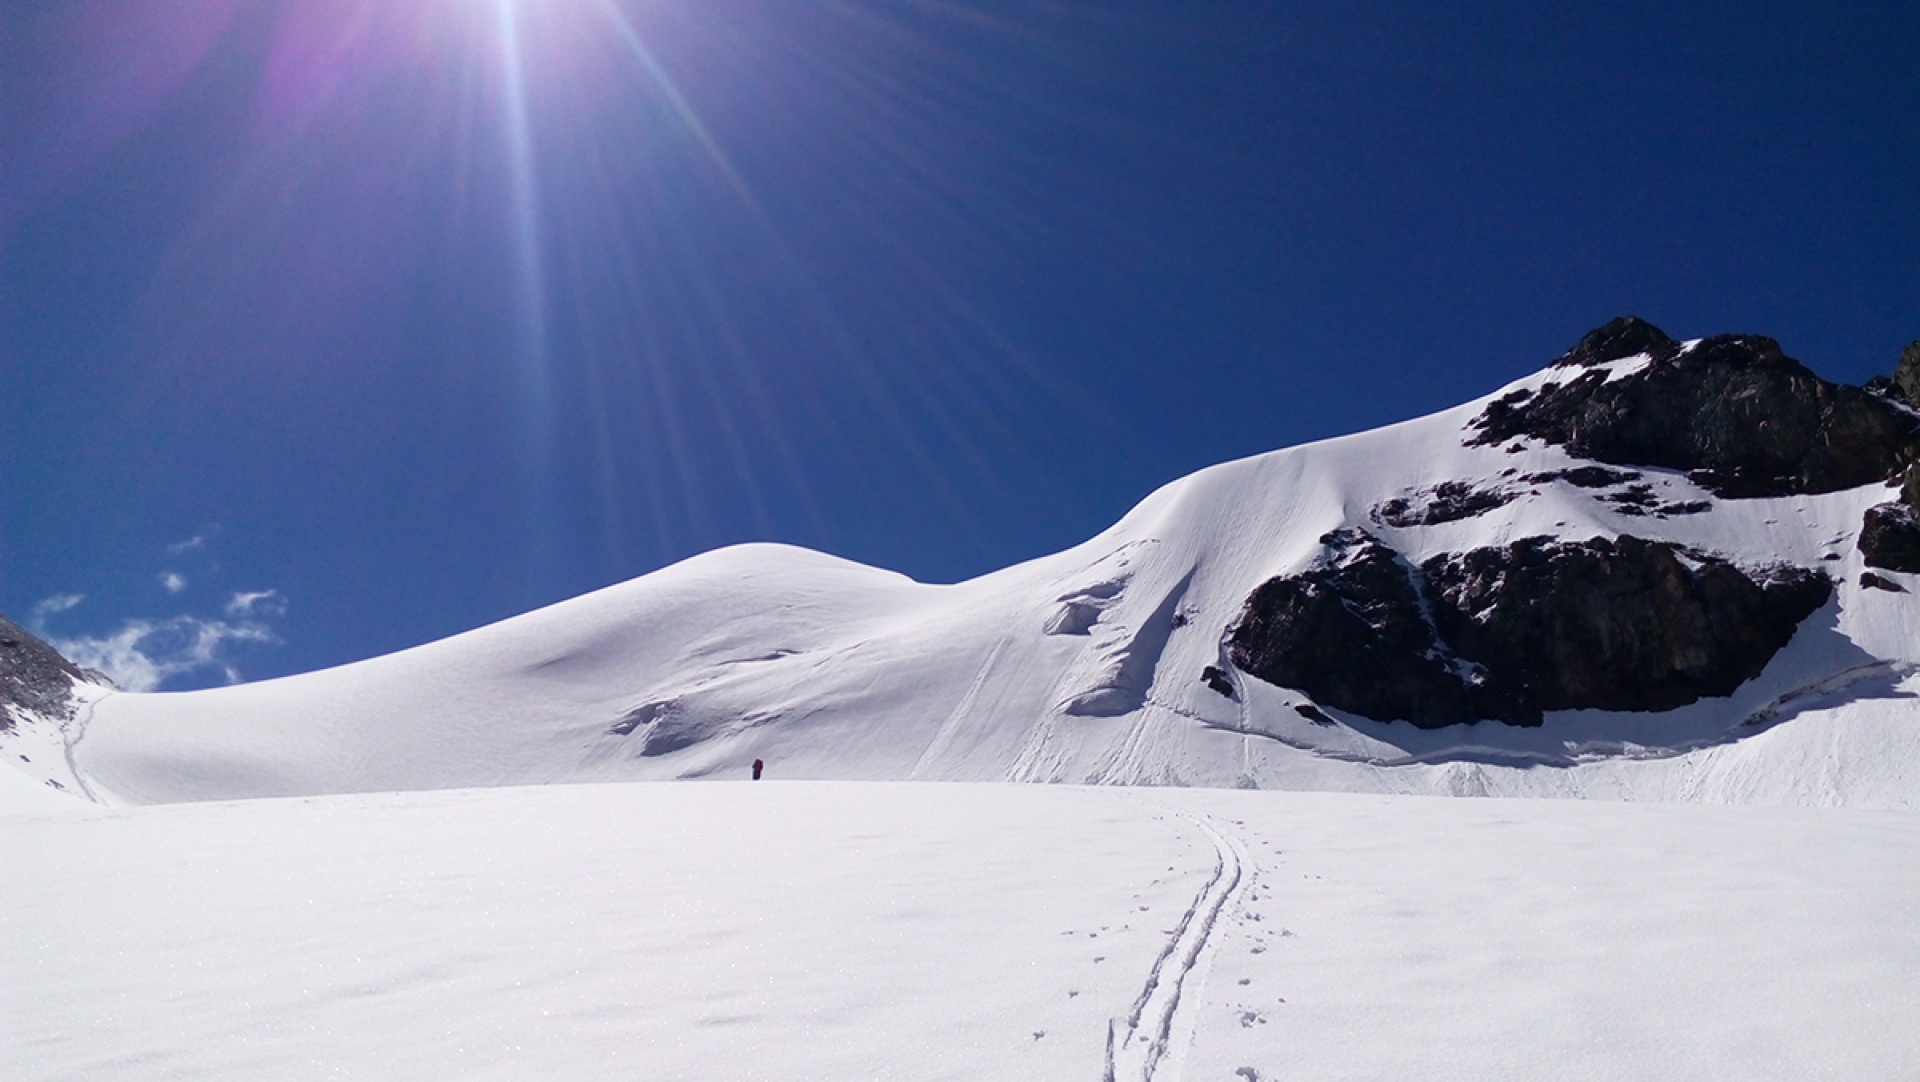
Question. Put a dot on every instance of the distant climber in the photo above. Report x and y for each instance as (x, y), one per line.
(758, 766)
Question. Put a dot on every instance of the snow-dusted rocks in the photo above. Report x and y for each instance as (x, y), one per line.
(1742, 417)
(35, 681)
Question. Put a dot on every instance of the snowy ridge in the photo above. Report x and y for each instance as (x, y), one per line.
(1083, 666)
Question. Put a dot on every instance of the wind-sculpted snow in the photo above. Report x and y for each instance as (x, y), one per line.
(1111, 662)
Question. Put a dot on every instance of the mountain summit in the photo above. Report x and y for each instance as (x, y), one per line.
(1652, 570)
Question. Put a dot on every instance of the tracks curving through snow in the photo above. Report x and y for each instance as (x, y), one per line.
(1138, 1044)
(72, 731)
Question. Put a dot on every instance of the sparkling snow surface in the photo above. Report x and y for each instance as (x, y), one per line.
(844, 930)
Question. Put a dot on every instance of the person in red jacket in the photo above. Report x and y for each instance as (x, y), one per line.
(758, 766)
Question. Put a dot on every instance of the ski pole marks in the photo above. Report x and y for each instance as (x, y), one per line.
(1137, 1045)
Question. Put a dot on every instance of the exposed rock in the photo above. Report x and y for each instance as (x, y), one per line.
(1217, 679)
(1890, 537)
(1625, 624)
(1507, 633)
(34, 678)
(1871, 581)
(1910, 491)
(1312, 713)
(1584, 477)
(1746, 419)
(1449, 501)
(1351, 632)
(1904, 386)
(1620, 338)
(1635, 499)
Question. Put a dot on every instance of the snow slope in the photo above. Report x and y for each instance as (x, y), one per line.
(834, 930)
(1081, 667)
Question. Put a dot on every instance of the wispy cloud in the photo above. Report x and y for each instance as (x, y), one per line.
(143, 654)
(257, 603)
(192, 544)
(55, 604)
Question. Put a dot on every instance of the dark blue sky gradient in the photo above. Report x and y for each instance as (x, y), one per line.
(934, 286)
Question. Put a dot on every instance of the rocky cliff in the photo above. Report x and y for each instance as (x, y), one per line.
(1743, 418)
(1509, 632)
(35, 681)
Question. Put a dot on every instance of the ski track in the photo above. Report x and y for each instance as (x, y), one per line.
(72, 731)
(1138, 1045)
(950, 728)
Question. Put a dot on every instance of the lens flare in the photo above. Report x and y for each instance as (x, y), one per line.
(704, 261)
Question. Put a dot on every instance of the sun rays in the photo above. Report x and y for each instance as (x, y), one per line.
(701, 263)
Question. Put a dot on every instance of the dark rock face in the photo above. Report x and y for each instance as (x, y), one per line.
(1621, 337)
(33, 676)
(1351, 632)
(1584, 477)
(1312, 713)
(1506, 633)
(1905, 384)
(1890, 538)
(1743, 417)
(1871, 581)
(1214, 677)
(1625, 624)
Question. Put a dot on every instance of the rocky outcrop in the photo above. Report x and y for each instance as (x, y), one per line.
(1621, 624)
(1905, 384)
(1618, 339)
(1584, 477)
(1352, 632)
(34, 678)
(1741, 416)
(1890, 538)
(1871, 581)
(1506, 633)
(1449, 501)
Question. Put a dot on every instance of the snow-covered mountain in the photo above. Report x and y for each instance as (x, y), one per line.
(1664, 570)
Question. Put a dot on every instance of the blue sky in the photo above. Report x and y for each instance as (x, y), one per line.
(331, 328)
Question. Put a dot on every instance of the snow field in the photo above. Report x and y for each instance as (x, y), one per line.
(841, 930)
(1081, 667)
